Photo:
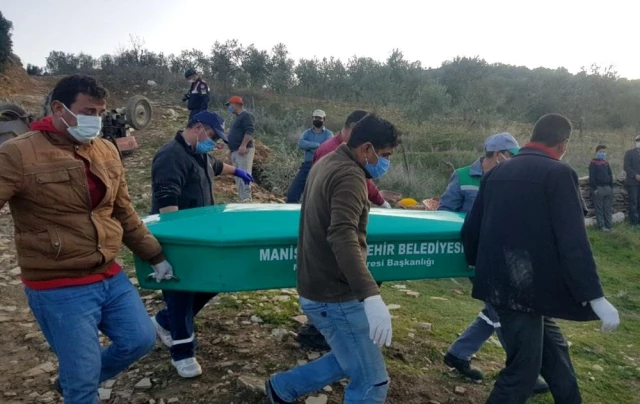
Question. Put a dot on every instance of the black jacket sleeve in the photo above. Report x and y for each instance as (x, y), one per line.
(168, 177)
(628, 164)
(592, 177)
(472, 223)
(217, 166)
(575, 255)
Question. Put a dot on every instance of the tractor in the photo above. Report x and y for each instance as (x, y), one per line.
(117, 124)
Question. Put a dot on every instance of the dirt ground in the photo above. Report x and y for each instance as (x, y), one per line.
(236, 350)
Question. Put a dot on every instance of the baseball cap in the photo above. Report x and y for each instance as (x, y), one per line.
(502, 141)
(213, 120)
(234, 100)
(320, 113)
(190, 72)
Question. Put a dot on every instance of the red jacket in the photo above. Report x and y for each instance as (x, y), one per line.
(332, 144)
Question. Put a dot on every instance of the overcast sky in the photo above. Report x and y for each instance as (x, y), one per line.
(534, 33)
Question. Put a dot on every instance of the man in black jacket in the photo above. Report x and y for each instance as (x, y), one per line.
(526, 237)
(632, 168)
(182, 178)
(601, 182)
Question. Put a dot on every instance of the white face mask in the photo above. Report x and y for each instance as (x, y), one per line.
(638, 145)
(87, 128)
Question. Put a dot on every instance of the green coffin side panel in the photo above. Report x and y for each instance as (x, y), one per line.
(240, 247)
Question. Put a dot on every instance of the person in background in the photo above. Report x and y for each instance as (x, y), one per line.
(459, 197)
(308, 334)
(632, 169)
(464, 182)
(601, 182)
(71, 209)
(526, 237)
(182, 175)
(241, 144)
(310, 140)
(337, 291)
(198, 95)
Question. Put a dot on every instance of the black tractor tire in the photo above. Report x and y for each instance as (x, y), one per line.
(10, 112)
(139, 112)
(14, 121)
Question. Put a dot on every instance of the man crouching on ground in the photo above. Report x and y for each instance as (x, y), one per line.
(72, 211)
(337, 292)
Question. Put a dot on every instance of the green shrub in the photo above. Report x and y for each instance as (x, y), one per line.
(6, 44)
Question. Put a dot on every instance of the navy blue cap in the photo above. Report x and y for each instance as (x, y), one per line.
(213, 120)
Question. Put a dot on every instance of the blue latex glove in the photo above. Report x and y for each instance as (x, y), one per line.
(243, 175)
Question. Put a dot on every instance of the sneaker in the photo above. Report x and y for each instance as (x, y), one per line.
(541, 386)
(309, 337)
(165, 335)
(187, 368)
(272, 396)
(464, 367)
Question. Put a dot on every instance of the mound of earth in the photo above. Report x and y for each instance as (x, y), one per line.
(14, 81)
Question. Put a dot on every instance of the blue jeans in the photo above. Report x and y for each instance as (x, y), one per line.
(353, 355)
(70, 319)
(296, 188)
(182, 307)
(478, 332)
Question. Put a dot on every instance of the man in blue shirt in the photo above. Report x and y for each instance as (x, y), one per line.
(310, 140)
(240, 144)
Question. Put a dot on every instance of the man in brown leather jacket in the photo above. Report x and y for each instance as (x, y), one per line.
(72, 211)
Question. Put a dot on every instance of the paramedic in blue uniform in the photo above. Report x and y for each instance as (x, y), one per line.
(198, 95)
(182, 175)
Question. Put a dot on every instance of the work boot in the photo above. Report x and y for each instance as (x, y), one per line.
(272, 396)
(187, 368)
(541, 386)
(462, 366)
(309, 337)
(164, 335)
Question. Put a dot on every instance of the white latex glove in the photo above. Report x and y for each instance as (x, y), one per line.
(379, 320)
(607, 313)
(162, 271)
(386, 205)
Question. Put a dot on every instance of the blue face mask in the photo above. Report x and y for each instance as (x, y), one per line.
(230, 109)
(380, 168)
(205, 146)
(601, 155)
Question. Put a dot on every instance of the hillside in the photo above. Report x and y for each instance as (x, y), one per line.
(245, 337)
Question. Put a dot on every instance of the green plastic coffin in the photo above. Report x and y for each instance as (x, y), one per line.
(242, 247)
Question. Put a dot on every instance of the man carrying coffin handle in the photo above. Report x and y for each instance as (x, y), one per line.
(182, 175)
(337, 291)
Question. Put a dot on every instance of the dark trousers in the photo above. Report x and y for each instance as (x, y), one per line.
(603, 201)
(534, 345)
(634, 203)
(182, 307)
(192, 112)
(297, 186)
